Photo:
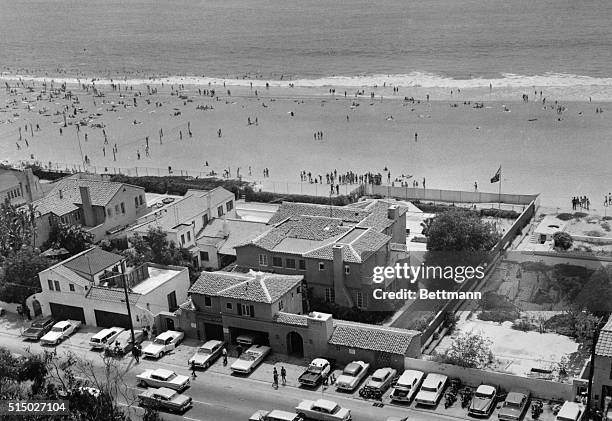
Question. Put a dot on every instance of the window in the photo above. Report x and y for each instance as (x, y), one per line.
(182, 238)
(136, 201)
(228, 306)
(141, 199)
(220, 211)
(207, 301)
(122, 207)
(359, 299)
(229, 205)
(347, 270)
(188, 236)
(302, 264)
(205, 219)
(290, 263)
(71, 287)
(172, 301)
(109, 212)
(277, 262)
(330, 295)
(117, 209)
(246, 310)
(280, 305)
(321, 266)
(50, 284)
(263, 260)
(57, 287)
(204, 256)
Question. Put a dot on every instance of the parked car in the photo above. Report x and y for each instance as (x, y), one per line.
(123, 343)
(164, 399)
(483, 401)
(352, 375)
(275, 415)
(381, 380)
(59, 331)
(105, 337)
(250, 359)
(207, 354)
(571, 411)
(323, 410)
(164, 343)
(407, 385)
(431, 389)
(317, 371)
(397, 419)
(515, 406)
(163, 378)
(245, 340)
(38, 328)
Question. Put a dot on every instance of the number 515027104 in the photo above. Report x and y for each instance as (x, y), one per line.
(39, 407)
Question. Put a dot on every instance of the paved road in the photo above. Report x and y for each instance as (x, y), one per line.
(220, 396)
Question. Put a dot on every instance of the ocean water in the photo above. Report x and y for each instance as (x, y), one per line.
(437, 43)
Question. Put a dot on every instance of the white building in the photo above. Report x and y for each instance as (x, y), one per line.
(89, 287)
(184, 220)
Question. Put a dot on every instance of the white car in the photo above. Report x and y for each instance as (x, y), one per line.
(105, 337)
(431, 389)
(250, 359)
(207, 354)
(352, 375)
(407, 385)
(275, 415)
(164, 343)
(59, 331)
(164, 398)
(163, 378)
(571, 411)
(323, 410)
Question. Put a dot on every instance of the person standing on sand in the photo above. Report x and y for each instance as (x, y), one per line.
(475, 185)
(416, 136)
(219, 133)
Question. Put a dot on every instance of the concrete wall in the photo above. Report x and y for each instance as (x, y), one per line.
(542, 389)
(452, 196)
(601, 376)
(552, 258)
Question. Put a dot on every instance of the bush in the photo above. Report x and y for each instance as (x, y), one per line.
(579, 215)
(605, 226)
(563, 240)
(269, 197)
(523, 325)
(594, 234)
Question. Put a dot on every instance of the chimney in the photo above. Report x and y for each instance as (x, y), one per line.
(342, 295)
(88, 213)
(393, 212)
(61, 195)
(225, 228)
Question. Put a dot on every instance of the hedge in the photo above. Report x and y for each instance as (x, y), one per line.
(491, 212)
(269, 197)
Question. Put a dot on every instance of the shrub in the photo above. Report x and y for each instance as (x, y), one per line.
(594, 233)
(607, 218)
(579, 215)
(563, 240)
(605, 226)
(523, 325)
(269, 197)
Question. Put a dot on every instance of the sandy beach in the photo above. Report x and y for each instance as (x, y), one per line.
(459, 142)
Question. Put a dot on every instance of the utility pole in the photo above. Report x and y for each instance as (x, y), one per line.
(127, 303)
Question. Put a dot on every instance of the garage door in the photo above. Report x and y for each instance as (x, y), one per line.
(108, 319)
(64, 312)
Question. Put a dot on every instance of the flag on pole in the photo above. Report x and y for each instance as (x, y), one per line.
(497, 176)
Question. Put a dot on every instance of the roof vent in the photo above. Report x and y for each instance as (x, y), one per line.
(61, 195)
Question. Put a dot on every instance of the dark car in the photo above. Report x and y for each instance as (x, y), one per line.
(318, 370)
(123, 343)
(514, 406)
(483, 401)
(38, 328)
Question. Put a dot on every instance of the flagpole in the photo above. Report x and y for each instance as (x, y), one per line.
(499, 194)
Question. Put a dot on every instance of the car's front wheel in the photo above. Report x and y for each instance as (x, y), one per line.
(142, 383)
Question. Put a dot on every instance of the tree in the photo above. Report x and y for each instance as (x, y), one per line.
(472, 350)
(20, 274)
(459, 230)
(17, 227)
(596, 294)
(563, 240)
(73, 238)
